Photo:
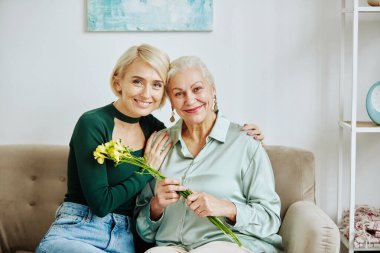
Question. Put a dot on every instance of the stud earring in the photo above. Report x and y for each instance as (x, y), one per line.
(215, 104)
(172, 119)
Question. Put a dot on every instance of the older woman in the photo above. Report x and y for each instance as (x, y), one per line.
(230, 172)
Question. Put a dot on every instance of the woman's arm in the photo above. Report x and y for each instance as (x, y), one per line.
(260, 216)
(145, 226)
(101, 197)
(152, 206)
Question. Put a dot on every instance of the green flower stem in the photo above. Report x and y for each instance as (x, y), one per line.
(105, 151)
(214, 220)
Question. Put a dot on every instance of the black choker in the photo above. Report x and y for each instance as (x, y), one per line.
(124, 117)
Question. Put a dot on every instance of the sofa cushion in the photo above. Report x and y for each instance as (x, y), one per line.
(32, 186)
(293, 170)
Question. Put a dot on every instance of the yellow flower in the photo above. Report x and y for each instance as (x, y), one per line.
(99, 157)
(101, 149)
(118, 146)
(109, 144)
(100, 160)
(116, 155)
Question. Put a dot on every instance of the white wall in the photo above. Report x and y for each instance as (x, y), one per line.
(276, 63)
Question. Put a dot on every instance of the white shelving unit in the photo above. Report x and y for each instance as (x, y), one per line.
(353, 126)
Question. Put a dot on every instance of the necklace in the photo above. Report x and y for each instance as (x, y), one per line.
(124, 117)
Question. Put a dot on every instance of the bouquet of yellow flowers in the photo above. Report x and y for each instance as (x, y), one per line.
(118, 153)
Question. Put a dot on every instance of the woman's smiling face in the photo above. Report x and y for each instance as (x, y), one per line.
(141, 89)
(191, 96)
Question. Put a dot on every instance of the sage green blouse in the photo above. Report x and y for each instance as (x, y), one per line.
(231, 166)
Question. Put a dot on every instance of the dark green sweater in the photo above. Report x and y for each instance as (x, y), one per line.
(104, 188)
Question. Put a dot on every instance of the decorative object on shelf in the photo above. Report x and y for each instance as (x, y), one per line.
(367, 226)
(373, 102)
(374, 2)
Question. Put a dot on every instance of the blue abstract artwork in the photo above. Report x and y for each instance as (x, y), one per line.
(149, 15)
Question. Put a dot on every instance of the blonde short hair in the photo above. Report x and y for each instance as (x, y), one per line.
(153, 56)
(187, 62)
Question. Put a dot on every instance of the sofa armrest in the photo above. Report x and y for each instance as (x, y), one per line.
(306, 228)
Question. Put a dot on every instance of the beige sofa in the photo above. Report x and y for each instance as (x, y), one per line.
(33, 183)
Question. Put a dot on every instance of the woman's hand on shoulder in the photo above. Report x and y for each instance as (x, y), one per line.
(156, 149)
(254, 131)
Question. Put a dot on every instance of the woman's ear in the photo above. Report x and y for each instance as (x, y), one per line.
(116, 83)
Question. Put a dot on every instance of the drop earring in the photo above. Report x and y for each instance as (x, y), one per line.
(172, 119)
(215, 104)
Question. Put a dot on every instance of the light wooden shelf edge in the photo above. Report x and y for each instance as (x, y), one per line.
(369, 9)
(362, 9)
(361, 126)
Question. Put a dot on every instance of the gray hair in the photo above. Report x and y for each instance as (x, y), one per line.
(187, 62)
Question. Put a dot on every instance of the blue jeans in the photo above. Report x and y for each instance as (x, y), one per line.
(77, 229)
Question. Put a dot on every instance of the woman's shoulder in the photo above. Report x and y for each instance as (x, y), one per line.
(94, 116)
(236, 134)
(92, 123)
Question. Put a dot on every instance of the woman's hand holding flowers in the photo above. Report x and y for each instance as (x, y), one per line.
(204, 205)
(156, 150)
(167, 192)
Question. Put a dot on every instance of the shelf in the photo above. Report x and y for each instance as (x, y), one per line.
(369, 9)
(344, 240)
(361, 126)
(362, 9)
(353, 126)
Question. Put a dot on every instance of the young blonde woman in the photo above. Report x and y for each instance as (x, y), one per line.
(97, 213)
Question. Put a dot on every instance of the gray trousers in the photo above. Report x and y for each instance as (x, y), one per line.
(217, 247)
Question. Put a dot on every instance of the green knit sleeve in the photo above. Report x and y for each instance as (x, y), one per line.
(101, 197)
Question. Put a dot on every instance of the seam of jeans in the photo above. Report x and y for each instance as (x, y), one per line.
(57, 211)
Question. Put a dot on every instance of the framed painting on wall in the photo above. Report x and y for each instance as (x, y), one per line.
(149, 15)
